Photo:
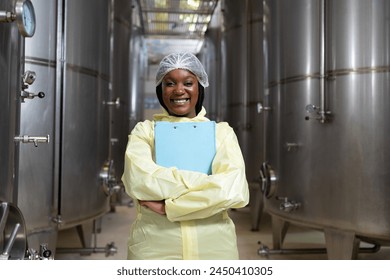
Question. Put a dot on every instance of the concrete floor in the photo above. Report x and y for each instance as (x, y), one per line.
(115, 227)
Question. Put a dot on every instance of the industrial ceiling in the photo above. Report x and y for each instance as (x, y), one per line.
(175, 25)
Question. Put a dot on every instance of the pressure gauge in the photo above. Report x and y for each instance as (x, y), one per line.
(25, 17)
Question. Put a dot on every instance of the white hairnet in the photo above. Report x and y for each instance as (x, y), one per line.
(186, 61)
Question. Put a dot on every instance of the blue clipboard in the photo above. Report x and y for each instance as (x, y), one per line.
(185, 145)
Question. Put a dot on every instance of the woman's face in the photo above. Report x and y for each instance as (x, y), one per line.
(180, 93)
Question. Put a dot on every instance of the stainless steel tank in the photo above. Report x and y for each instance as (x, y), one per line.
(235, 37)
(83, 134)
(255, 91)
(244, 86)
(210, 56)
(120, 84)
(77, 58)
(65, 95)
(138, 65)
(327, 164)
(13, 242)
(38, 191)
(70, 57)
(11, 68)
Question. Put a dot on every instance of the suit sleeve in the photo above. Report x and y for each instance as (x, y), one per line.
(226, 188)
(143, 178)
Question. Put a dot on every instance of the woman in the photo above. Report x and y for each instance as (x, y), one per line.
(183, 214)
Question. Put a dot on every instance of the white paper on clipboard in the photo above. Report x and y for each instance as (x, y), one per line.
(185, 145)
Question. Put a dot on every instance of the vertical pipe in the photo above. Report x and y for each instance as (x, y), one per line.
(58, 122)
(265, 75)
(322, 63)
(111, 21)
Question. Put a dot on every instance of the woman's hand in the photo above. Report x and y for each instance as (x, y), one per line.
(156, 206)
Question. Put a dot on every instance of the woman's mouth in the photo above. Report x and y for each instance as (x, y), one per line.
(180, 101)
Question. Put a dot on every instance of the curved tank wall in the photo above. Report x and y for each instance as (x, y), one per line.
(255, 81)
(77, 58)
(235, 36)
(84, 121)
(326, 133)
(11, 68)
(70, 56)
(242, 61)
(36, 172)
(244, 77)
(127, 78)
(12, 246)
(210, 55)
(138, 64)
(120, 73)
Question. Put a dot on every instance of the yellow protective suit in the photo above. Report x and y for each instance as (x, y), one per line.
(196, 224)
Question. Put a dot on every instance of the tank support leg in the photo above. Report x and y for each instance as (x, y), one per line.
(341, 245)
(279, 230)
(85, 232)
(256, 208)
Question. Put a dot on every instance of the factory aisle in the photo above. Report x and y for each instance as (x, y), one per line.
(115, 227)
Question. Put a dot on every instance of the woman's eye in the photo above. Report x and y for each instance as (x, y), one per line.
(188, 84)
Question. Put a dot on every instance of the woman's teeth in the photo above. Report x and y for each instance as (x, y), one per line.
(180, 101)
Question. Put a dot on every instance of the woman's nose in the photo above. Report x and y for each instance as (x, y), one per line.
(179, 88)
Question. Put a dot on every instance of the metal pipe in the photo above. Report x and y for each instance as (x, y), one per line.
(81, 250)
(58, 111)
(322, 63)
(109, 250)
(265, 251)
(11, 241)
(3, 218)
(32, 139)
(112, 73)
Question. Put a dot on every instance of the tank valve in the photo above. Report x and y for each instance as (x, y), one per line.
(261, 108)
(32, 139)
(263, 250)
(109, 181)
(292, 147)
(26, 94)
(321, 115)
(268, 180)
(288, 205)
(111, 249)
(57, 220)
(43, 254)
(30, 95)
(28, 79)
(116, 102)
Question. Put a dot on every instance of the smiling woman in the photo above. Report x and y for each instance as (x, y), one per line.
(182, 78)
(183, 214)
(180, 93)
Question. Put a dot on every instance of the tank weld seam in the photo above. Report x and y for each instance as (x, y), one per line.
(40, 61)
(330, 74)
(360, 70)
(88, 71)
(294, 79)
